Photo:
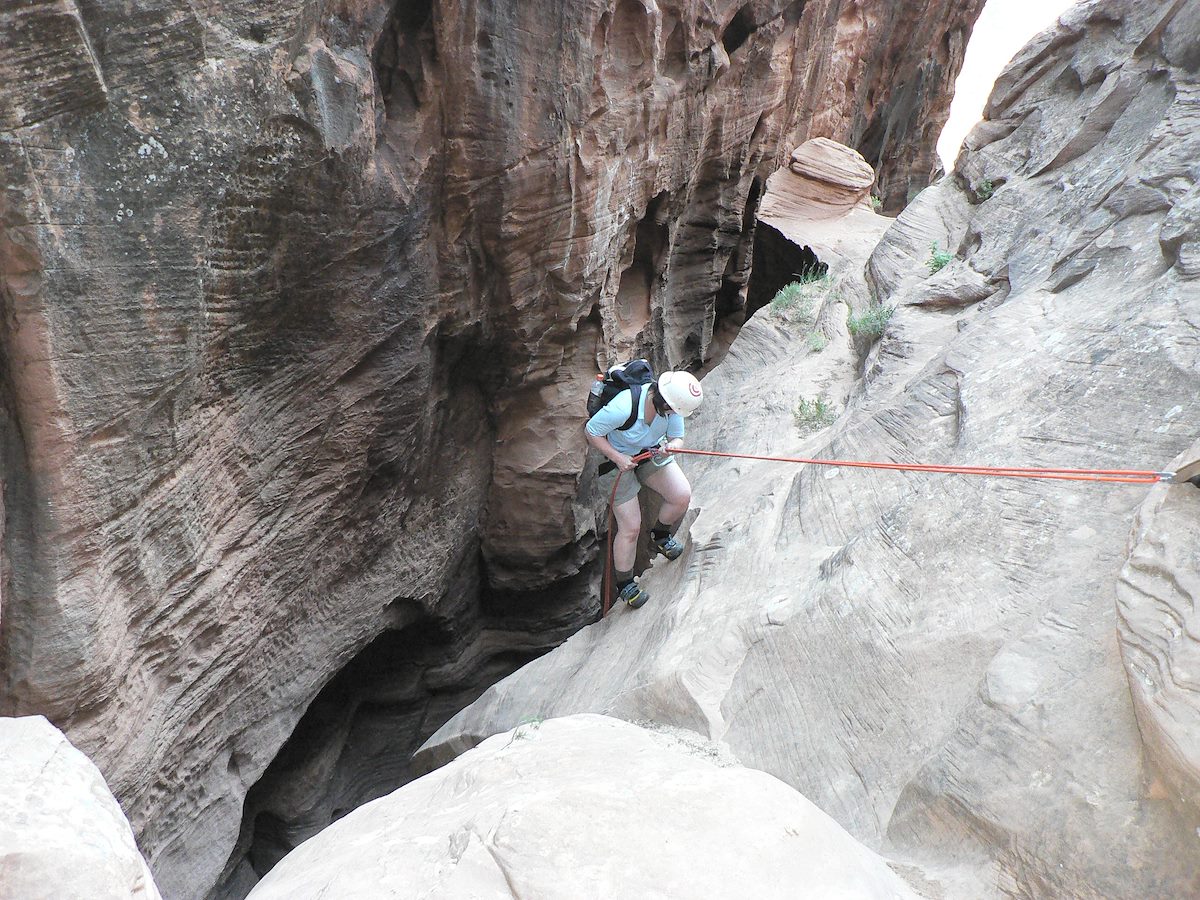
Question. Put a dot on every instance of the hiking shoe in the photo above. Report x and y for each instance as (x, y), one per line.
(668, 546)
(633, 595)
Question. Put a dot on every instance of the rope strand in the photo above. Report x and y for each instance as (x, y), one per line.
(1119, 476)
(1112, 476)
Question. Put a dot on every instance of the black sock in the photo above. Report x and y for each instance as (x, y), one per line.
(623, 578)
(660, 532)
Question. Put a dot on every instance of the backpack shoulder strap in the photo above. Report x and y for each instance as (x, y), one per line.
(635, 392)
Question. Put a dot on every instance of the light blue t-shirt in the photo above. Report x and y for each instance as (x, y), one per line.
(640, 436)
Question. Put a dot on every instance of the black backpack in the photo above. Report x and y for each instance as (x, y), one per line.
(628, 376)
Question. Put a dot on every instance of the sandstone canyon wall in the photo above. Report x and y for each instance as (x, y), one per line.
(991, 680)
(289, 292)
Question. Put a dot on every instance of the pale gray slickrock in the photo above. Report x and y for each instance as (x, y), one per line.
(932, 659)
(955, 284)
(1157, 609)
(262, 270)
(938, 216)
(62, 834)
(580, 807)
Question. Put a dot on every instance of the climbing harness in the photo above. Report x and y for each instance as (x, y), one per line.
(1189, 473)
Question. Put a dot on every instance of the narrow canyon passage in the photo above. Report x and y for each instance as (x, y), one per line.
(356, 739)
(299, 306)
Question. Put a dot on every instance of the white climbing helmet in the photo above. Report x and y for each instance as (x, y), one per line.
(681, 390)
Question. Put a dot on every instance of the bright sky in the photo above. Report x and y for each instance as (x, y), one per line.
(1003, 28)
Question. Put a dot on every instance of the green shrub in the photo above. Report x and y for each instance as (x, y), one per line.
(938, 258)
(876, 203)
(817, 342)
(525, 729)
(788, 296)
(984, 190)
(813, 415)
(797, 301)
(871, 323)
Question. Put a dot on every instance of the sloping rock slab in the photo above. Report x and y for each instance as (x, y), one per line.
(62, 835)
(585, 806)
(1159, 626)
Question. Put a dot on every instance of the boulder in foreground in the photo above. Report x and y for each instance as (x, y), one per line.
(585, 806)
(62, 835)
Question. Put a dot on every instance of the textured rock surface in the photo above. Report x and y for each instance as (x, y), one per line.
(885, 101)
(586, 806)
(822, 180)
(819, 202)
(62, 835)
(933, 660)
(1158, 604)
(290, 291)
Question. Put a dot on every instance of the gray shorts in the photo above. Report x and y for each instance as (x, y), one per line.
(631, 485)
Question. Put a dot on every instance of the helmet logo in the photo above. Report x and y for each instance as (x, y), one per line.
(694, 389)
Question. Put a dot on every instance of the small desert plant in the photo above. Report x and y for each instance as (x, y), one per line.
(525, 729)
(813, 415)
(796, 302)
(871, 323)
(984, 190)
(817, 342)
(876, 203)
(938, 258)
(789, 296)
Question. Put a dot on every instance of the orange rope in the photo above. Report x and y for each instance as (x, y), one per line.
(1116, 476)
(1124, 476)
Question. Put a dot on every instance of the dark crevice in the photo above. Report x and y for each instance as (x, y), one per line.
(729, 305)
(25, 572)
(777, 262)
(405, 48)
(738, 31)
(356, 740)
(636, 289)
(794, 12)
(675, 59)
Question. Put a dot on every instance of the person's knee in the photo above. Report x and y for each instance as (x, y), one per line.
(629, 521)
(685, 495)
(681, 495)
(626, 536)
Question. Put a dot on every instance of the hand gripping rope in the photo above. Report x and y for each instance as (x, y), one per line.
(1118, 476)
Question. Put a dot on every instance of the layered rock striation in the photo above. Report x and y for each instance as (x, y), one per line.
(816, 216)
(1160, 642)
(934, 660)
(299, 300)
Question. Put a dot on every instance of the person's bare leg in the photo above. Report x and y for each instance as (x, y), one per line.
(672, 485)
(629, 524)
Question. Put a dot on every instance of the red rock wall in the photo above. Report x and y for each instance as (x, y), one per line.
(299, 303)
(887, 72)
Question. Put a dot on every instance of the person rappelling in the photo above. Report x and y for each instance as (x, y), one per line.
(632, 414)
